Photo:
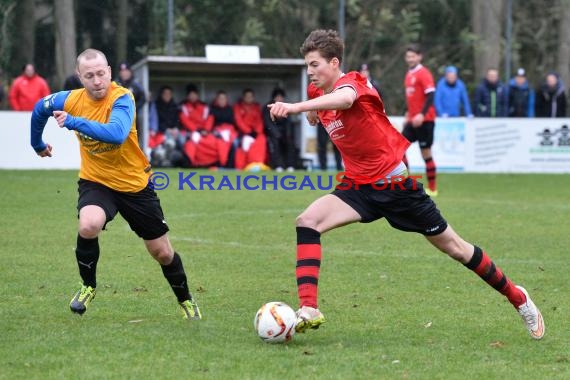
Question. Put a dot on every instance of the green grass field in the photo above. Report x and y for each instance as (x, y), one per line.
(396, 307)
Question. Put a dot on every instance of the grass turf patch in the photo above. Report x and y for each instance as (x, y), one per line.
(396, 307)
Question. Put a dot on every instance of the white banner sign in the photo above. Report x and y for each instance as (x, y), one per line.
(17, 153)
(232, 53)
(491, 145)
(480, 145)
(448, 149)
(518, 145)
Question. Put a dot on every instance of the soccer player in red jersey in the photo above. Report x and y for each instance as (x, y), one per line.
(372, 150)
(420, 116)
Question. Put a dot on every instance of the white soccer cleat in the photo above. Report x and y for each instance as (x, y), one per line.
(531, 316)
(308, 318)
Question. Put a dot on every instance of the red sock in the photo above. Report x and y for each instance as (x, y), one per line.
(308, 265)
(481, 264)
(431, 173)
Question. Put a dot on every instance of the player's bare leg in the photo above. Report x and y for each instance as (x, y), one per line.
(171, 263)
(476, 260)
(91, 221)
(322, 215)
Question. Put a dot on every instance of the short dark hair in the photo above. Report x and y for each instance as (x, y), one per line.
(327, 42)
(277, 91)
(191, 87)
(414, 48)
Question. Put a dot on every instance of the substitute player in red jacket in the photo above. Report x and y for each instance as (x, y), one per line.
(249, 123)
(420, 117)
(203, 147)
(376, 184)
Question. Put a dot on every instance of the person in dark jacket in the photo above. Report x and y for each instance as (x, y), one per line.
(222, 123)
(164, 111)
(550, 97)
(72, 82)
(490, 96)
(280, 136)
(365, 72)
(167, 111)
(127, 80)
(521, 96)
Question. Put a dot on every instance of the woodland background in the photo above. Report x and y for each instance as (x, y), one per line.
(468, 34)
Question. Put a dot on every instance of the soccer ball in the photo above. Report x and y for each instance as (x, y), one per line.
(275, 322)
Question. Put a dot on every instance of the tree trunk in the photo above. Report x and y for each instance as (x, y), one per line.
(24, 38)
(487, 18)
(5, 37)
(65, 47)
(121, 36)
(564, 42)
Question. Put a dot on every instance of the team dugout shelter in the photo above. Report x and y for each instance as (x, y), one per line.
(231, 69)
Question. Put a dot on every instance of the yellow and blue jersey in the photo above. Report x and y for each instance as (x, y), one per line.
(106, 130)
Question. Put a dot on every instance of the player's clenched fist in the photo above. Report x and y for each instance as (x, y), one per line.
(312, 117)
(46, 152)
(60, 117)
(279, 110)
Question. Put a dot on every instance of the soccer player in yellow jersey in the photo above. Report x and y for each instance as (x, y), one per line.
(114, 175)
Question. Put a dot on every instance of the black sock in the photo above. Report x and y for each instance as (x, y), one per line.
(87, 255)
(174, 274)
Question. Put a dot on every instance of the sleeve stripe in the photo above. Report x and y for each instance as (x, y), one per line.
(346, 85)
(429, 89)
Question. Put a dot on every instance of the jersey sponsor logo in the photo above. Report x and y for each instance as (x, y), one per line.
(104, 148)
(84, 138)
(94, 146)
(333, 129)
(48, 101)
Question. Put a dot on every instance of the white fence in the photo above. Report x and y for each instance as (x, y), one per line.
(17, 153)
(505, 145)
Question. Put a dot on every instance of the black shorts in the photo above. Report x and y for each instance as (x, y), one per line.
(405, 206)
(422, 134)
(141, 210)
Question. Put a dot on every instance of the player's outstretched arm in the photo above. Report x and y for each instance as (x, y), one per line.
(43, 109)
(113, 132)
(340, 99)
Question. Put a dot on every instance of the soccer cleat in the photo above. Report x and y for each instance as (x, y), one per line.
(431, 193)
(190, 310)
(531, 316)
(82, 299)
(308, 318)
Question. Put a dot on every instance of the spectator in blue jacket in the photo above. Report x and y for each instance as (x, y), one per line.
(491, 96)
(451, 95)
(521, 96)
